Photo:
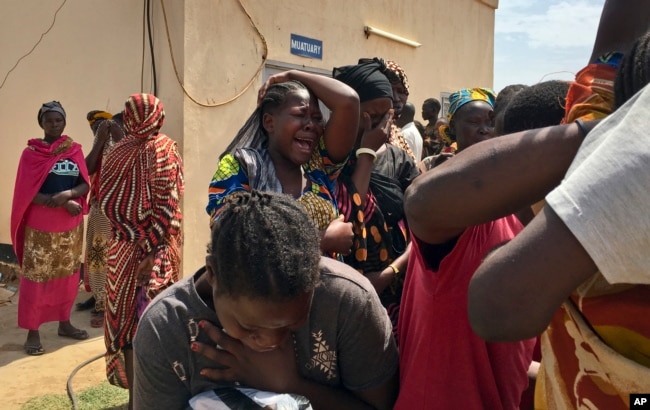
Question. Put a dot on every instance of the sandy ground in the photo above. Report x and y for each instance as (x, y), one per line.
(23, 377)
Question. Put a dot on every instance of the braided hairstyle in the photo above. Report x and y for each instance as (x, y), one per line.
(634, 71)
(264, 246)
(540, 105)
(252, 134)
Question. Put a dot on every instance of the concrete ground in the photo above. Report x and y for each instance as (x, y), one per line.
(23, 377)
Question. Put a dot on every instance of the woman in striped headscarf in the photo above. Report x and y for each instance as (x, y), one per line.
(140, 193)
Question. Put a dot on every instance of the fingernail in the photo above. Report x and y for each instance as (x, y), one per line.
(202, 324)
(194, 347)
(202, 373)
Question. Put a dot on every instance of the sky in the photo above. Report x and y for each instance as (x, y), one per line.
(543, 40)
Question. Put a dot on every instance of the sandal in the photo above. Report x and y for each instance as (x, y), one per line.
(97, 319)
(78, 334)
(34, 350)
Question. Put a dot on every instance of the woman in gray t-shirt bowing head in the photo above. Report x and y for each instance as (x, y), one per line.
(266, 314)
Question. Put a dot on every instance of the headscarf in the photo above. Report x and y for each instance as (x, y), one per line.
(457, 100)
(98, 115)
(391, 69)
(50, 106)
(144, 115)
(467, 95)
(366, 78)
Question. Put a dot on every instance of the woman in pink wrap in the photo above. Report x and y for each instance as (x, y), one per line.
(47, 228)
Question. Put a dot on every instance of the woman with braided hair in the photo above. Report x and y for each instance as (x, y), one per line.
(269, 313)
(140, 192)
(633, 73)
(285, 147)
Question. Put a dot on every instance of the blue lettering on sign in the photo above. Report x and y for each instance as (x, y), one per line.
(306, 47)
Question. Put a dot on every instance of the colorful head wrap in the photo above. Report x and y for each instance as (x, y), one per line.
(366, 78)
(144, 115)
(98, 115)
(398, 71)
(456, 101)
(466, 95)
(50, 106)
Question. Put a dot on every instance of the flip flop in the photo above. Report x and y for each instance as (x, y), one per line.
(78, 334)
(97, 319)
(34, 350)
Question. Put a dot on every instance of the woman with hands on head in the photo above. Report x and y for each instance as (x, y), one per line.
(47, 227)
(267, 312)
(284, 146)
(108, 130)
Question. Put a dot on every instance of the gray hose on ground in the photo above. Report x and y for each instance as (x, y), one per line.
(71, 394)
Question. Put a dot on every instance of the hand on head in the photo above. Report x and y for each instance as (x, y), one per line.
(274, 79)
(103, 131)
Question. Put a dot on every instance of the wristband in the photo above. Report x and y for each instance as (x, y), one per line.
(368, 151)
(582, 127)
(395, 269)
(395, 283)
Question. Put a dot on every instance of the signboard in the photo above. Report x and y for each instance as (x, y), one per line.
(306, 47)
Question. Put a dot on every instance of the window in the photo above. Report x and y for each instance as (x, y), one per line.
(444, 104)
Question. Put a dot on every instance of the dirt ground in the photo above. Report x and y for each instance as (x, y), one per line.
(23, 377)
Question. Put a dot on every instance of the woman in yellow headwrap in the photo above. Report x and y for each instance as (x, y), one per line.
(108, 131)
(471, 118)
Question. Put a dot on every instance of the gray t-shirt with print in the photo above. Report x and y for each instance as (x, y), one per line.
(346, 343)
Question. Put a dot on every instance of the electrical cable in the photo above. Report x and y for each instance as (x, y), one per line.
(250, 82)
(71, 395)
(33, 48)
(144, 24)
(153, 58)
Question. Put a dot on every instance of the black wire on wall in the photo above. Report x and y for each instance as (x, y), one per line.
(153, 59)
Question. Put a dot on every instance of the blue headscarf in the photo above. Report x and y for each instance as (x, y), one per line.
(456, 101)
(467, 95)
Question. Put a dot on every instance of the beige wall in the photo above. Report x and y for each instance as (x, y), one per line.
(92, 59)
